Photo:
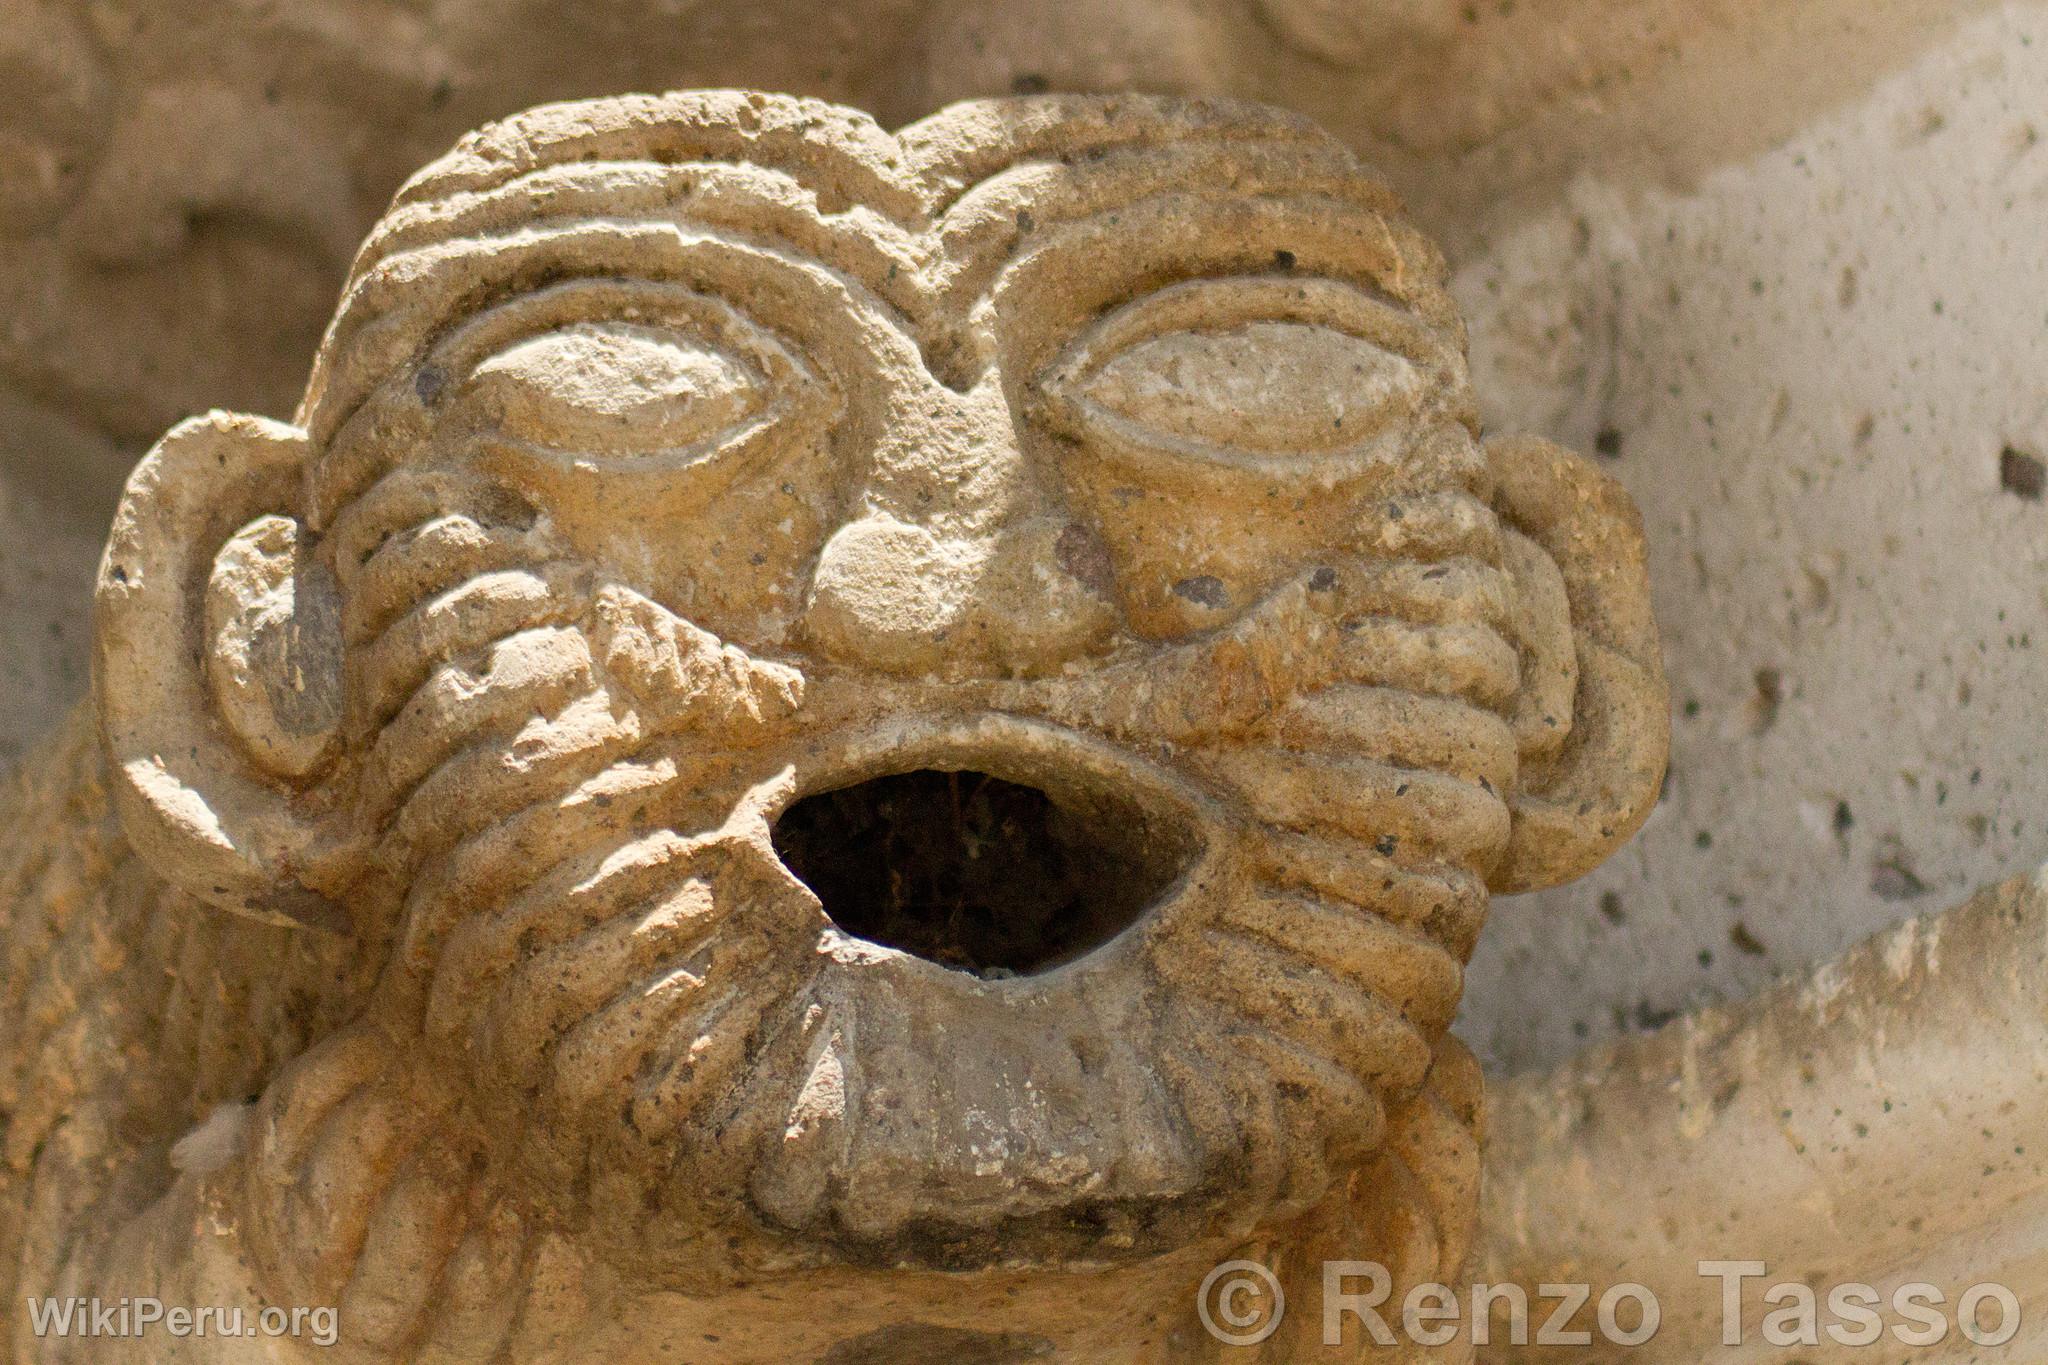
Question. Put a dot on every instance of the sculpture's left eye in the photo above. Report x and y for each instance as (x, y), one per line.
(1242, 370)
(629, 389)
(1269, 388)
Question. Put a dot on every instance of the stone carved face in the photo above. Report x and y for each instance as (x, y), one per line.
(1057, 536)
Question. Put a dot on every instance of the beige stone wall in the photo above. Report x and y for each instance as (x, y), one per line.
(1718, 232)
(1810, 366)
(1876, 1123)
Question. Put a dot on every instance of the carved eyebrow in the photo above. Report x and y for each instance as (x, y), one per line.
(1311, 199)
(997, 219)
(1053, 284)
(362, 419)
(755, 201)
(815, 178)
(1213, 302)
(662, 304)
(401, 283)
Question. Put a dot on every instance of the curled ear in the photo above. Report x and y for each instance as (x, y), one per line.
(1593, 723)
(217, 667)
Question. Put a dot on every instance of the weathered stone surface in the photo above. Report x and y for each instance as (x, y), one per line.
(1877, 1122)
(1806, 371)
(674, 462)
(1610, 180)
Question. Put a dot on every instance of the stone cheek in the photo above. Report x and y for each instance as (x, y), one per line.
(846, 706)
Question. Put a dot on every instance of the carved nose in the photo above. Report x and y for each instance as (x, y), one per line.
(903, 596)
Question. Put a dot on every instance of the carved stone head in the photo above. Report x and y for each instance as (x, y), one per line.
(922, 699)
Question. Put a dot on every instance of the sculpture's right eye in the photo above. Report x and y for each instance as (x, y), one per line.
(624, 389)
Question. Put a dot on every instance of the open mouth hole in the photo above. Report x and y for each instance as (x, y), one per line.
(977, 873)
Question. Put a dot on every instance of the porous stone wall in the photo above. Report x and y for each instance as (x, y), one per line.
(1818, 371)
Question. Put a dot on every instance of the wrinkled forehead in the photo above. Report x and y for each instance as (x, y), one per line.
(939, 237)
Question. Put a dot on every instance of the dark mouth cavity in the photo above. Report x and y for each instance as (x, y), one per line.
(976, 873)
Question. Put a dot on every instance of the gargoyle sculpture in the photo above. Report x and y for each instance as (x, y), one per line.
(815, 745)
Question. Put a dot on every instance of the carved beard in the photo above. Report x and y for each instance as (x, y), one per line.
(620, 990)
